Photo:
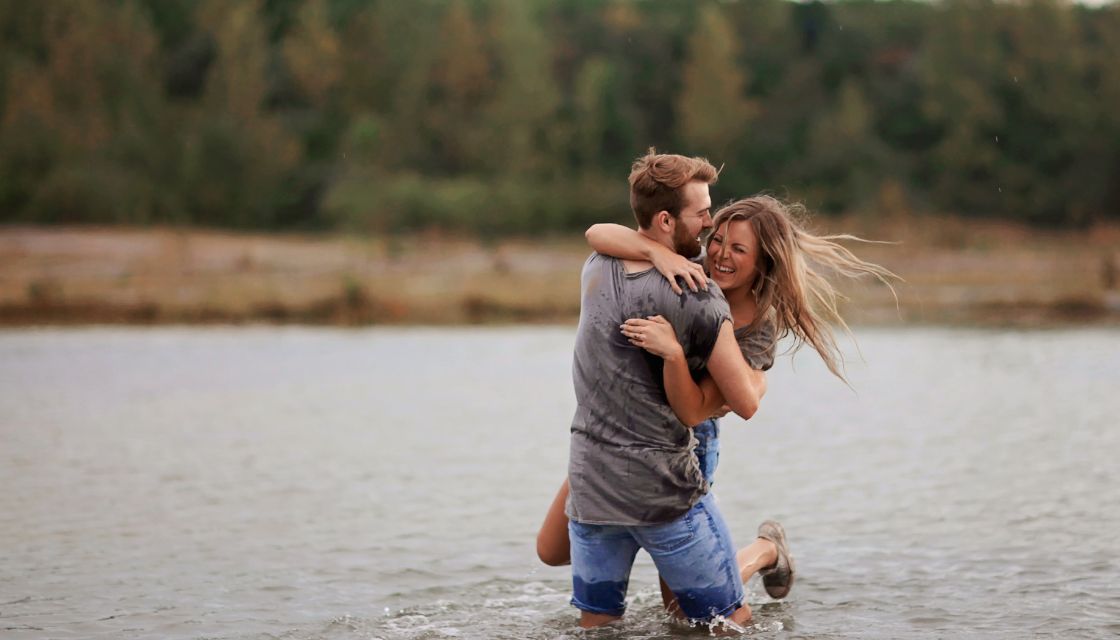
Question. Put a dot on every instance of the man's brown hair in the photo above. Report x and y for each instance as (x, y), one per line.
(656, 180)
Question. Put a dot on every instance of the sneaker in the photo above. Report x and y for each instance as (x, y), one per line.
(779, 578)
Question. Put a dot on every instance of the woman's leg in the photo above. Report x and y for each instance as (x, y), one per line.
(668, 600)
(553, 546)
(769, 556)
(760, 554)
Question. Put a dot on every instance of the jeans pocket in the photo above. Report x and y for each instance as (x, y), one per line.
(672, 535)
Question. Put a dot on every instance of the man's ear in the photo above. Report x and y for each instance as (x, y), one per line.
(664, 221)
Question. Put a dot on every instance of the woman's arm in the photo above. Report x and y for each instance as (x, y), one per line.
(741, 386)
(693, 403)
(622, 242)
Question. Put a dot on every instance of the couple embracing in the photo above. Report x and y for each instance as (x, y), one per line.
(655, 361)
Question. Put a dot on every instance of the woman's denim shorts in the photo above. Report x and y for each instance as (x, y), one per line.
(707, 447)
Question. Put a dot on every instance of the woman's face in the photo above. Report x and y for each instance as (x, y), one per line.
(733, 255)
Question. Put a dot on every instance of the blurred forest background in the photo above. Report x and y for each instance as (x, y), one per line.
(517, 118)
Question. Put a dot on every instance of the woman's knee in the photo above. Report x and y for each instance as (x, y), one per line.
(552, 554)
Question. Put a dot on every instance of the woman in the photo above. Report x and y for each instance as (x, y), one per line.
(766, 264)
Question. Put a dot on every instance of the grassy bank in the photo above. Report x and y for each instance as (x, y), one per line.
(955, 272)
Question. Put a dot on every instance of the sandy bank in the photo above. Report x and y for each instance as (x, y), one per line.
(954, 272)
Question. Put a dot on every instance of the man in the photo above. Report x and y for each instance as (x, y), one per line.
(634, 480)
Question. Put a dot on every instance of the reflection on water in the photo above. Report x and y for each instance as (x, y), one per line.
(387, 483)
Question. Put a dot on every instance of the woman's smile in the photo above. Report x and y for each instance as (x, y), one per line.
(732, 255)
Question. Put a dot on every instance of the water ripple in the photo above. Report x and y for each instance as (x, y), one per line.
(297, 483)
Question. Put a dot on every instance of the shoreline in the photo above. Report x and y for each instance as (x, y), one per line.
(1002, 276)
(339, 314)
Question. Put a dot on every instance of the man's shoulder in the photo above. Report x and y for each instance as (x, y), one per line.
(712, 297)
(657, 291)
(696, 314)
(627, 266)
(597, 261)
(600, 271)
(601, 259)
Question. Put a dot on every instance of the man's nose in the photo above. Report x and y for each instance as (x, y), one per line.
(707, 219)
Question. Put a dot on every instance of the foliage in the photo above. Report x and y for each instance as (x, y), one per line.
(522, 116)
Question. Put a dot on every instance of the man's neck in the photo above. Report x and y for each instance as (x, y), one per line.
(660, 239)
(637, 266)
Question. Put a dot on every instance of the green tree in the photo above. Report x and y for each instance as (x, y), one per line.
(1009, 88)
(958, 71)
(313, 53)
(712, 107)
(521, 117)
(1051, 125)
(237, 155)
(1106, 171)
(385, 61)
(845, 160)
(80, 138)
(457, 93)
(786, 92)
(591, 103)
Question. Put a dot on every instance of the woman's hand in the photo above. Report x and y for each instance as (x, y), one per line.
(671, 265)
(655, 335)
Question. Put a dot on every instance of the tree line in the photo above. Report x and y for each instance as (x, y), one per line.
(522, 116)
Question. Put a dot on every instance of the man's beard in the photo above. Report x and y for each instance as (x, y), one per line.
(683, 243)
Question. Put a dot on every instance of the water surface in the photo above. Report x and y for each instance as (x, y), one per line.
(387, 483)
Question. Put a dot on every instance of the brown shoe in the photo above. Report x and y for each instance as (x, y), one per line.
(779, 578)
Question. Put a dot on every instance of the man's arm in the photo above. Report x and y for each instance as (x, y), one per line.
(741, 386)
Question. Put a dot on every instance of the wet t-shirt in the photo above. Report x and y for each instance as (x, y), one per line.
(758, 346)
(631, 460)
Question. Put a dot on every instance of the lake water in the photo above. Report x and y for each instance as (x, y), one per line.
(300, 483)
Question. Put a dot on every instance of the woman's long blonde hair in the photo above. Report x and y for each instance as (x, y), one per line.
(788, 283)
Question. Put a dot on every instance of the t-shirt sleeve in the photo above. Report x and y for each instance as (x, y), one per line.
(758, 346)
(697, 320)
(595, 269)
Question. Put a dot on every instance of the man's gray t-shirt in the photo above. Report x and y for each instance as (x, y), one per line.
(631, 460)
